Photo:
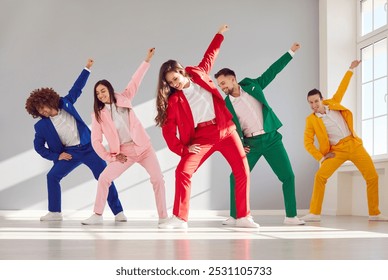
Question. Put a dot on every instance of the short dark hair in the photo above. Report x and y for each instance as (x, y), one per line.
(225, 72)
(314, 92)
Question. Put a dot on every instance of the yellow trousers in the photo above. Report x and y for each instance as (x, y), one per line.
(351, 149)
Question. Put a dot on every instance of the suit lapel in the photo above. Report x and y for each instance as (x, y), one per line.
(201, 79)
(186, 107)
(252, 91)
(106, 118)
(230, 107)
(52, 133)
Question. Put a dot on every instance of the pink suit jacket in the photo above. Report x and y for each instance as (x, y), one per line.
(179, 115)
(107, 128)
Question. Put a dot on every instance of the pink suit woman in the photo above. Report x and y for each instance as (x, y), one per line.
(127, 139)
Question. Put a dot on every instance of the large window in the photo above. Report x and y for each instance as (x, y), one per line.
(372, 43)
(373, 15)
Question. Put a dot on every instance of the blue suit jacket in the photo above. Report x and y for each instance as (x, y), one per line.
(45, 132)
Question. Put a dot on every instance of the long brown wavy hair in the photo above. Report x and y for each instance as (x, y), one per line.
(98, 105)
(164, 90)
(39, 98)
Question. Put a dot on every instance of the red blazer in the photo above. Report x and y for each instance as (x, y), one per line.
(179, 116)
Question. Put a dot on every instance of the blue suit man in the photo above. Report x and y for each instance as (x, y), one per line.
(63, 137)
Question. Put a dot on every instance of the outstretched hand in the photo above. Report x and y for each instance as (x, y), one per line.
(223, 28)
(295, 47)
(89, 63)
(354, 64)
(150, 54)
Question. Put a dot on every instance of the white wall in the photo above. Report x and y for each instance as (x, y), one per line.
(337, 35)
(46, 43)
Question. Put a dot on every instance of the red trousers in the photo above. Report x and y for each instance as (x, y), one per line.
(210, 139)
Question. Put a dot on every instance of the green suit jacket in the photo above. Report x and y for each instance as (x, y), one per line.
(255, 87)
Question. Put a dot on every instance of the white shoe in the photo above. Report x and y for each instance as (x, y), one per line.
(246, 222)
(229, 221)
(311, 218)
(293, 221)
(174, 223)
(120, 217)
(162, 220)
(378, 218)
(52, 216)
(93, 220)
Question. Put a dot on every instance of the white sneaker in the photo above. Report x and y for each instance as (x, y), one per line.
(93, 220)
(229, 221)
(293, 221)
(246, 222)
(311, 218)
(174, 223)
(52, 216)
(162, 220)
(120, 217)
(378, 218)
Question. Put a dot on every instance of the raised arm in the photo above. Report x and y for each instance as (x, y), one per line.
(138, 76)
(79, 84)
(212, 51)
(267, 77)
(339, 94)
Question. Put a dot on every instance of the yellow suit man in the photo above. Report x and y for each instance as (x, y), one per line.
(332, 125)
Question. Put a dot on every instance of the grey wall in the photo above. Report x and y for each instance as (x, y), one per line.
(46, 43)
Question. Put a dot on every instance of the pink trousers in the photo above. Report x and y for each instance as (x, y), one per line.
(147, 158)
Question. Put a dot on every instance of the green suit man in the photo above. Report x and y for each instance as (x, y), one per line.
(257, 126)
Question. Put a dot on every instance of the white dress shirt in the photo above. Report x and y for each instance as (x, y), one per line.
(335, 124)
(66, 127)
(120, 117)
(201, 103)
(249, 113)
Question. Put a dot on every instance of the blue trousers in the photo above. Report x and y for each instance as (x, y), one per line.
(86, 155)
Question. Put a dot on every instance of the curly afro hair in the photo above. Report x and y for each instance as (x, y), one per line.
(42, 97)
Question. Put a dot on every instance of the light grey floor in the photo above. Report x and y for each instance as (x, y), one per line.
(335, 237)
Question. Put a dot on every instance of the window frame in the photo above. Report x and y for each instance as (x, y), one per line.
(362, 42)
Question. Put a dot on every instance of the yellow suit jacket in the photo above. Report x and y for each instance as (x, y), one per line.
(316, 127)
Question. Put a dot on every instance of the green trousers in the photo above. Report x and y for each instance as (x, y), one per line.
(270, 146)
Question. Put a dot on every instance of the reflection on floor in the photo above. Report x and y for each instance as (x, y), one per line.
(335, 237)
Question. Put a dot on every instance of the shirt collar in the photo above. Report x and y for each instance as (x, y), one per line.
(189, 89)
(327, 110)
(235, 99)
(57, 115)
